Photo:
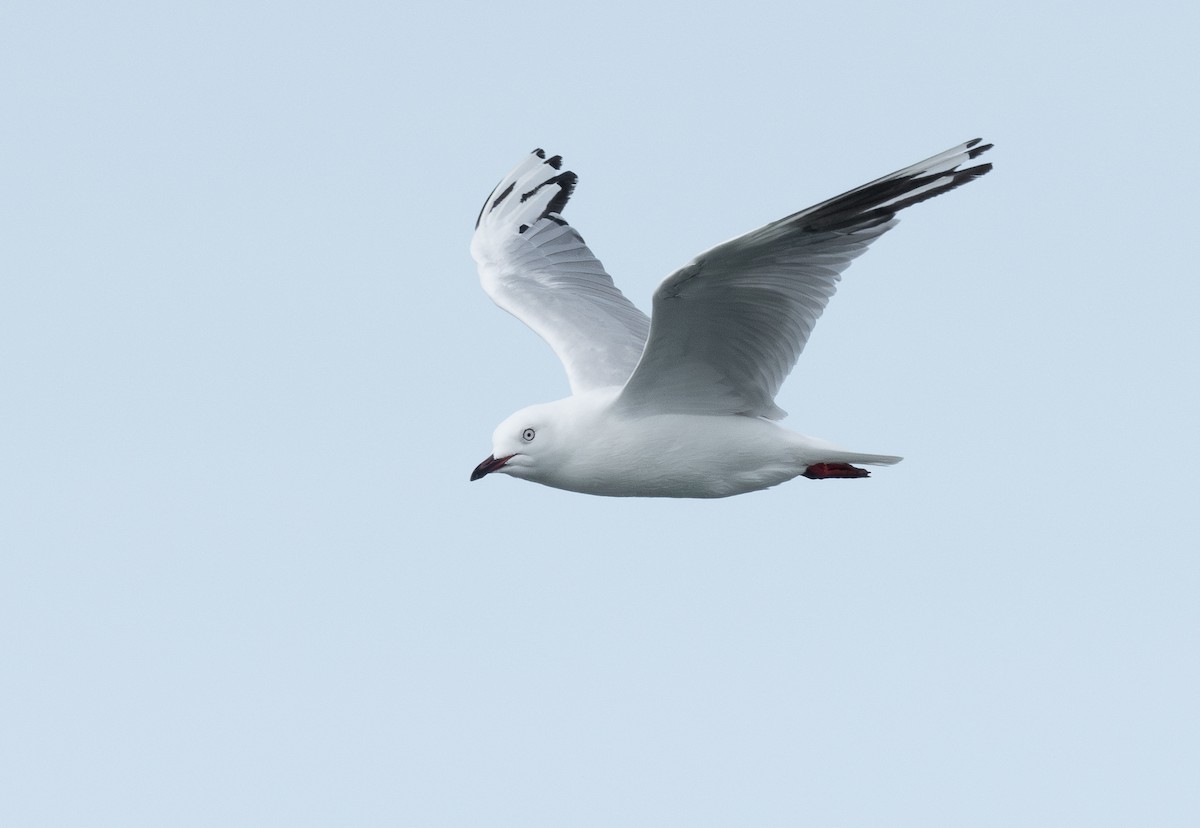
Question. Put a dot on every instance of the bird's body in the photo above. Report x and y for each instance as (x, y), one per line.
(588, 445)
(681, 405)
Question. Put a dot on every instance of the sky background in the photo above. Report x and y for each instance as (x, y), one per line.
(246, 368)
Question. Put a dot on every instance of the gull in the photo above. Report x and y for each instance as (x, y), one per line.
(682, 403)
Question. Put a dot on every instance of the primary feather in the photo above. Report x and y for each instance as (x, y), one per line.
(538, 268)
(729, 326)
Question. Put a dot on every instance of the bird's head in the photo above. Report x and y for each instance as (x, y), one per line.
(525, 444)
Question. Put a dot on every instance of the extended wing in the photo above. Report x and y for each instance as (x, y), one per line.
(536, 266)
(729, 326)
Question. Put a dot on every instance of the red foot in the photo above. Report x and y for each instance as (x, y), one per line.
(825, 471)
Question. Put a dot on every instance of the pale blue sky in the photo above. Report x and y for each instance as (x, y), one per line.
(247, 369)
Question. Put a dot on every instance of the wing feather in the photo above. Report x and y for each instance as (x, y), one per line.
(729, 326)
(538, 268)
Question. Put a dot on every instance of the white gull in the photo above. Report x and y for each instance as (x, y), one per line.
(681, 404)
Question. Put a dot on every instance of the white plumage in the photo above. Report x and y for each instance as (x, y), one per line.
(679, 405)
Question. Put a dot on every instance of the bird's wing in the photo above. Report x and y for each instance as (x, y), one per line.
(728, 327)
(536, 266)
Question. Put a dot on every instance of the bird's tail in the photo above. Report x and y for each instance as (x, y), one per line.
(839, 464)
(869, 459)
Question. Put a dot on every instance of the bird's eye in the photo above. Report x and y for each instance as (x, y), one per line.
(527, 435)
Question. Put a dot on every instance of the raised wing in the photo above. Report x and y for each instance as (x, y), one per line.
(535, 266)
(729, 326)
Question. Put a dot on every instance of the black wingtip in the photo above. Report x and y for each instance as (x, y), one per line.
(976, 151)
(566, 186)
(565, 181)
(554, 161)
(879, 202)
(503, 195)
(560, 201)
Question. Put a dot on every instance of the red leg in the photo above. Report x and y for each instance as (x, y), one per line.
(826, 471)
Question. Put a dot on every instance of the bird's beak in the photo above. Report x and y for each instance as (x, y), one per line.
(488, 466)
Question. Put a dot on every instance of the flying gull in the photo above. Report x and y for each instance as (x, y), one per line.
(680, 404)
